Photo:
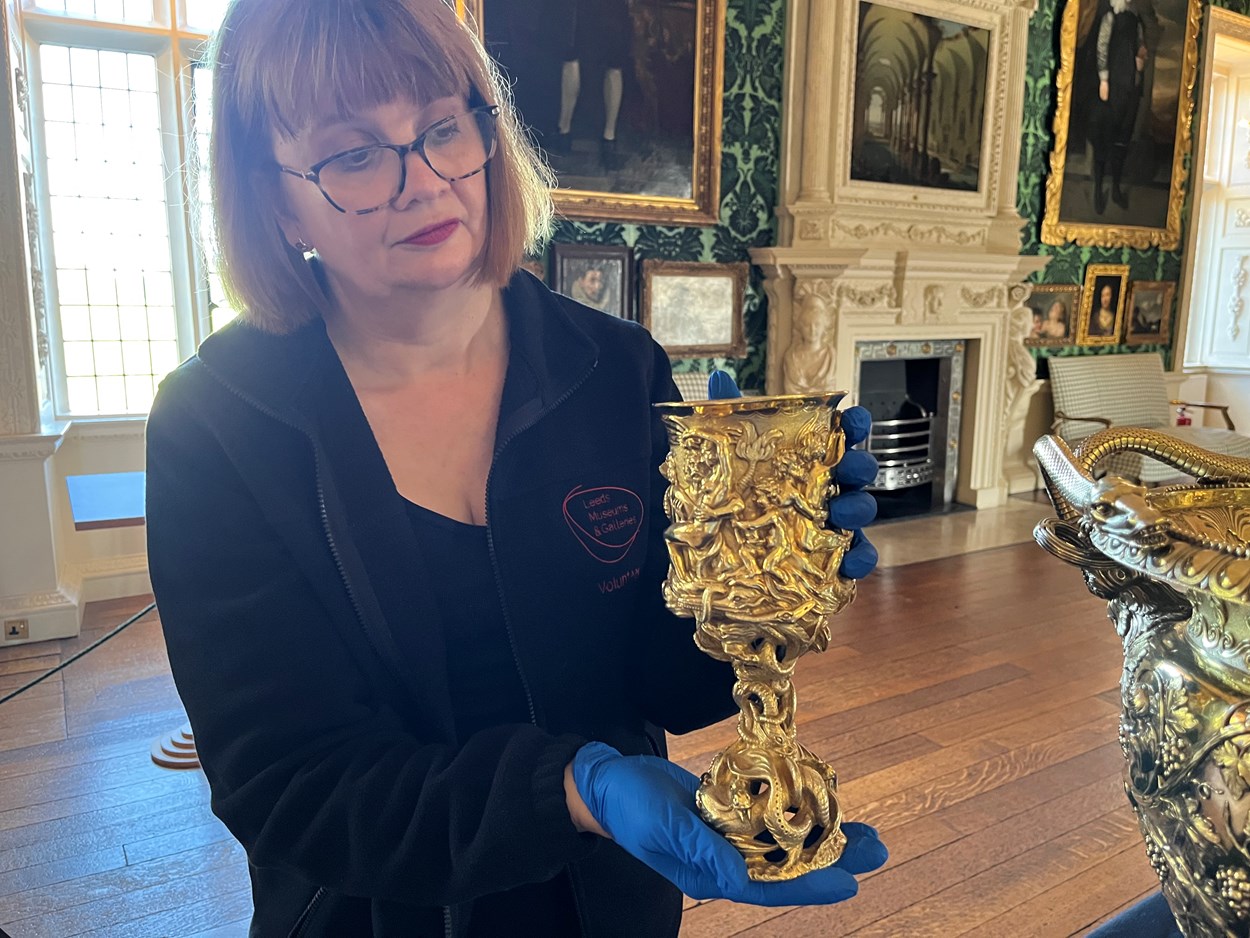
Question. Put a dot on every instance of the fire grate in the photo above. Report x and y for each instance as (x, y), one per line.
(904, 451)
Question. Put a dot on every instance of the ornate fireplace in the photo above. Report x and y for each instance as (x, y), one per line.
(862, 261)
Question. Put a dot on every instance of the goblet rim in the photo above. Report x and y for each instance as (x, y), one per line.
(763, 402)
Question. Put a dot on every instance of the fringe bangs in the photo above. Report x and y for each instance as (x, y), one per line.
(319, 58)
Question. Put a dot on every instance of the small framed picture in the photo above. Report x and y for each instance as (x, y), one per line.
(695, 310)
(597, 275)
(1102, 305)
(1054, 307)
(535, 266)
(1150, 312)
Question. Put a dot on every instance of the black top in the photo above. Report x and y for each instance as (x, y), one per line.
(482, 676)
(486, 691)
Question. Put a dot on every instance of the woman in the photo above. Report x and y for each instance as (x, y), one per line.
(1103, 321)
(1056, 324)
(422, 703)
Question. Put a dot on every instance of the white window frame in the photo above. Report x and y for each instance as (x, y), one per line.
(177, 49)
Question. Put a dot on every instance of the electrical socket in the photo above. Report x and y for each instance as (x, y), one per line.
(16, 630)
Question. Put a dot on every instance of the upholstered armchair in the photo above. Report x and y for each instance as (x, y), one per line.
(1128, 390)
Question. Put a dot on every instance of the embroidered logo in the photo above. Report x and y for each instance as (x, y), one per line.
(605, 520)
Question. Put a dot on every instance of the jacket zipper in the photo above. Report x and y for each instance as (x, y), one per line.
(503, 605)
(490, 537)
(322, 510)
(301, 923)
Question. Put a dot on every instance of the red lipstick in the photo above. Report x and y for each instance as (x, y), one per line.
(434, 234)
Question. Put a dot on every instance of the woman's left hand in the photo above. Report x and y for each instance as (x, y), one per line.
(647, 805)
(852, 508)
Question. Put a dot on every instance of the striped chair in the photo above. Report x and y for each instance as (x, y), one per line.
(692, 384)
(1128, 390)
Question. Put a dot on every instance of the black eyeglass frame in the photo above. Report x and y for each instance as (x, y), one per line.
(313, 173)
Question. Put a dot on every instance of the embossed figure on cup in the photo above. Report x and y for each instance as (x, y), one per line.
(808, 362)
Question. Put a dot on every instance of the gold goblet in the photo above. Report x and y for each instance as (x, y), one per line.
(754, 563)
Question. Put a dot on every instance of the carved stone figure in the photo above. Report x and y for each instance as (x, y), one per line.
(809, 361)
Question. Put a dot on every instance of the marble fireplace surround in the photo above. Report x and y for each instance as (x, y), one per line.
(867, 261)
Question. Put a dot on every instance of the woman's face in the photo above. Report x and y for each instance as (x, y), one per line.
(429, 238)
(1056, 312)
(1107, 297)
(811, 323)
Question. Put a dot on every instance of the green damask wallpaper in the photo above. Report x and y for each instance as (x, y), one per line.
(754, 54)
(1069, 260)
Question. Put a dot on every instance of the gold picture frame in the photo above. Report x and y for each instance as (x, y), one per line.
(695, 310)
(1123, 222)
(1148, 314)
(614, 201)
(1054, 307)
(1092, 327)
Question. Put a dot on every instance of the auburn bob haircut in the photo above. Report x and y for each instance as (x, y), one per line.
(278, 65)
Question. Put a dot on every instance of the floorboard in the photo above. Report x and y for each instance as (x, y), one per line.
(969, 705)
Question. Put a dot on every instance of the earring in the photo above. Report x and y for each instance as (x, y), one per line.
(303, 246)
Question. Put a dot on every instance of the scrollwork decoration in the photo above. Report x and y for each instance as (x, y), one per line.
(867, 298)
(37, 288)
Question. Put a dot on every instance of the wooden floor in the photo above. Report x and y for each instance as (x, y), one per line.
(968, 704)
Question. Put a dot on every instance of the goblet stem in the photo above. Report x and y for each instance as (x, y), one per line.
(772, 799)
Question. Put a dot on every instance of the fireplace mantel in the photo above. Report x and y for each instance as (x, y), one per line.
(869, 261)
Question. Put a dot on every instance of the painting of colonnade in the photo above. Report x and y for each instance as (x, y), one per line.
(920, 86)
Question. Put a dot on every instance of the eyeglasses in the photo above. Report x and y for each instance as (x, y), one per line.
(365, 179)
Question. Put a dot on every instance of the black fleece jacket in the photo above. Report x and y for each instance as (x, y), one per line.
(283, 565)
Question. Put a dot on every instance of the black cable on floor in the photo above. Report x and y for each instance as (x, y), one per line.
(94, 645)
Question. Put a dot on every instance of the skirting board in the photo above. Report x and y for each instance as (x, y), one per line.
(1022, 480)
(58, 614)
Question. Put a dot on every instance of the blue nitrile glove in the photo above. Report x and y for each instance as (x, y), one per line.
(852, 509)
(721, 386)
(647, 805)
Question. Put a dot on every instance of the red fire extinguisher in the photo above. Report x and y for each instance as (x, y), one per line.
(1182, 417)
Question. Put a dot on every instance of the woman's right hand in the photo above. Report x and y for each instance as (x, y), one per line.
(647, 806)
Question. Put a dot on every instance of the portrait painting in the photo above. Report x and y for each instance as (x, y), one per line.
(1054, 308)
(1123, 126)
(597, 275)
(1101, 320)
(695, 310)
(912, 131)
(535, 266)
(623, 97)
(1149, 312)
